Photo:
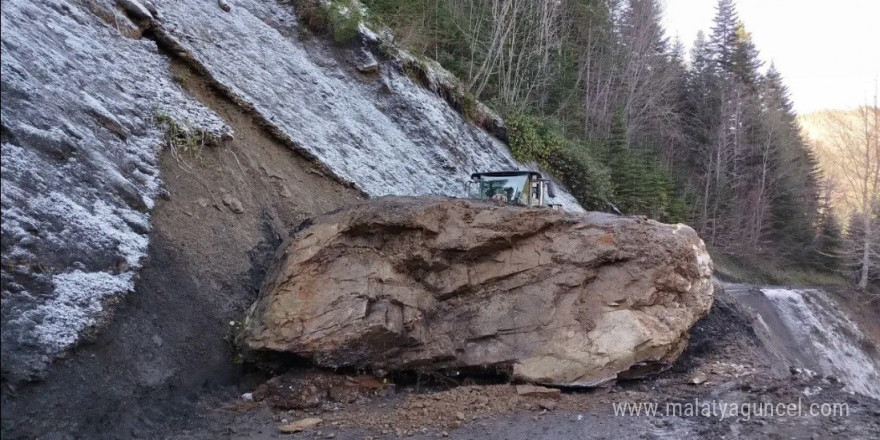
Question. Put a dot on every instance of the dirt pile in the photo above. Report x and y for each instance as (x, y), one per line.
(446, 410)
(402, 283)
(311, 389)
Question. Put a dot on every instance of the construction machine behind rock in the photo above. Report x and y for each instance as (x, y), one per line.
(527, 188)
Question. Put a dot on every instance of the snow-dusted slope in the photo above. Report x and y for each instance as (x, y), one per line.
(385, 134)
(805, 328)
(79, 169)
(825, 335)
(80, 143)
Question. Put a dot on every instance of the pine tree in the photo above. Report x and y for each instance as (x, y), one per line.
(795, 202)
(829, 244)
(678, 66)
(624, 174)
(701, 124)
(702, 98)
(745, 62)
(724, 34)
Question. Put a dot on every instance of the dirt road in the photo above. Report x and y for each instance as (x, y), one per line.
(726, 363)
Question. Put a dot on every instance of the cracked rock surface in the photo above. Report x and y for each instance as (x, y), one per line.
(424, 283)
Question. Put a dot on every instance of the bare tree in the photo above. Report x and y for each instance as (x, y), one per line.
(856, 142)
(512, 46)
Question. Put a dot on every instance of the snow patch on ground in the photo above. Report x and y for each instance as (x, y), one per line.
(77, 301)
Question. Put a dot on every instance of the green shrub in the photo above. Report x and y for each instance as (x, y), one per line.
(583, 175)
(532, 140)
(345, 16)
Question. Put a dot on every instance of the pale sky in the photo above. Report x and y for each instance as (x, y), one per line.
(828, 51)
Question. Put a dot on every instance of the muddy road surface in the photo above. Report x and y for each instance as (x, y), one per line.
(734, 357)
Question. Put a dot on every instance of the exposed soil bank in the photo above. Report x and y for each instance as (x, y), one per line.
(227, 210)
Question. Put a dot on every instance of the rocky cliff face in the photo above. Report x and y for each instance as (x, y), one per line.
(84, 97)
(560, 298)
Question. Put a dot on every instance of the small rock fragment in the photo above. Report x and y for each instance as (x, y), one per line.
(369, 382)
(547, 404)
(233, 204)
(164, 194)
(366, 62)
(300, 425)
(537, 391)
(136, 9)
(698, 378)
(371, 66)
(152, 8)
(224, 5)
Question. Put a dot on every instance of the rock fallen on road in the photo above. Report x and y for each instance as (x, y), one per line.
(555, 298)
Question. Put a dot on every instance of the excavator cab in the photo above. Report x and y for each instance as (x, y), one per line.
(526, 188)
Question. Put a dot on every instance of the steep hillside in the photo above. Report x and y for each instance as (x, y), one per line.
(149, 167)
(80, 170)
(156, 153)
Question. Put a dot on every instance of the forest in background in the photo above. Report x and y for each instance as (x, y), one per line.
(595, 92)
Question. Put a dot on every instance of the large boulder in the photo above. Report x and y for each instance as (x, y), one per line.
(559, 298)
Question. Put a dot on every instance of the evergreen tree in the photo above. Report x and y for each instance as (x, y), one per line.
(829, 242)
(723, 41)
(712, 142)
(745, 62)
(624, 174)
(796, 199)
(702, 98)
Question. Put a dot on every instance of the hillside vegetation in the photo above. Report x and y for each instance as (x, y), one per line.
(595, 92)
(820, 128)
(847, 145)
